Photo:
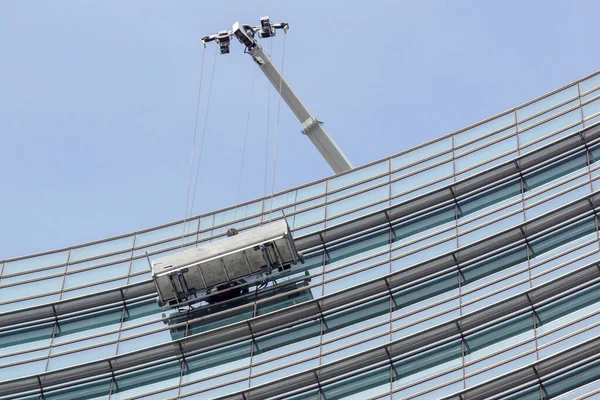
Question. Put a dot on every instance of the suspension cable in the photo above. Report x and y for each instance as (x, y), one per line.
(210, 86)
(237, 197)
(277, 128)
(189, 183)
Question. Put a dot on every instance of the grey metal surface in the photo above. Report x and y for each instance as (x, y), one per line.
(224, 261)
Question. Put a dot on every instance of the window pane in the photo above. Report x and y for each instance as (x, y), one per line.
(482, 130)
(437, 147)
(547, 102)
(553, 125)
(590, 83)
(27, 264)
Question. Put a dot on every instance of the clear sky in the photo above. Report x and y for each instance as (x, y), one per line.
(97, 98)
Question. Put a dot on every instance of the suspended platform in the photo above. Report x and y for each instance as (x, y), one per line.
(224, 264)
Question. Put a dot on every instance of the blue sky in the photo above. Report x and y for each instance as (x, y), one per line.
(97, 98)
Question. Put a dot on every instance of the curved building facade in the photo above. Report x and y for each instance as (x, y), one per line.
(466, 268)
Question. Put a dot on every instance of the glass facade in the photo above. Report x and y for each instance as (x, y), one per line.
(466, 268)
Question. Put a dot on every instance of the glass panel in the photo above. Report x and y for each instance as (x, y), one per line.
(427, 363)
(357, 188)
(94, 288)
(486, 153)
(591, 108)
(30, 289)
(418, 192)
(590, 83)
(557, 202)
(549, 114)
(567, 305)
(550, 139)
(32, 275)
(306, 217)
(92, 323)
(111, 246)
(23, 369)
(357, 278)
(424, 225)
(98, 261)
(362, 386)
(501, 369)
(590, 96)
(282, 372)
(547, 102)
(490, 229)
(168, 232)
(311, 191)
(95, 390)
(421, 178)
(26, 338)
(488, 139)
(553, 125)
(494, 264)
(422, 165)
(357, 176)
(488, 165)
(497, 337)
(283, 361)
(358, 200)
(573, 380)
(427, 385)
(97, 274)
(439, 146)
(482, 130)
(146, 380)
(28, 264)
(29, 302)
(286, 341)
(556, 170)
(80, 357)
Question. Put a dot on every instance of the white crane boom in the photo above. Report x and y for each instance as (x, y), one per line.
(312, 127)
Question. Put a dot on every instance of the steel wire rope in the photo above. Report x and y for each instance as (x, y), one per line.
(237, 196)
(277, 128)
(262, 215)
(210, 86)
(189, 182)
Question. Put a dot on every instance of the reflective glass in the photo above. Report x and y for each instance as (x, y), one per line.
(83, 356)
(32, 275)
(550, 126)
(488, 139)
(95, 390)
(30, 289)
(484, 129)
(368, 384)
(168, 232)
(548, 114)
(146, 380)
(437, 147)
(97, 274)
(427, 363)
(357, 176)
(358, 200)
(547, 102)
(111, 246)
(28, 264)
(486, 153)
(590, 83)
(418, 179)
(591, 108)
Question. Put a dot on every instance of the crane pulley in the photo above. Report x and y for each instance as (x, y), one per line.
(312, 127)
